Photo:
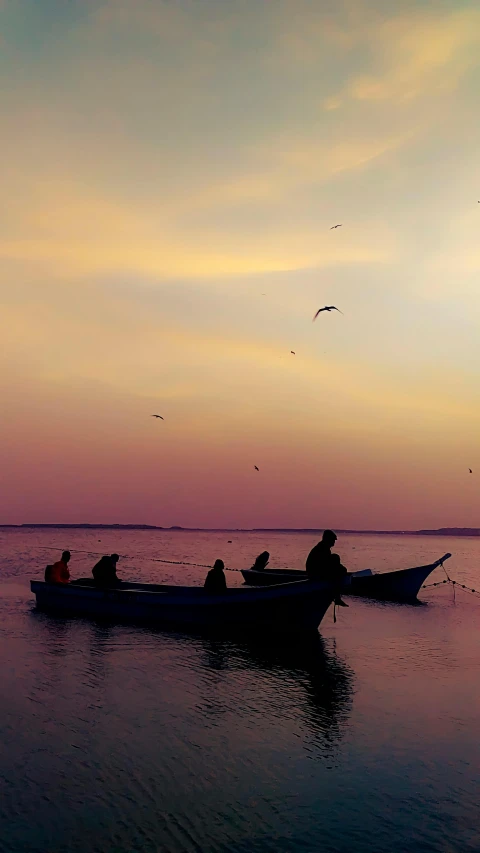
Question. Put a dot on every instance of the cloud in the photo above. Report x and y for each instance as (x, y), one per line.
(417, 55)
(136, 349)
(128, 175)
(79, 226)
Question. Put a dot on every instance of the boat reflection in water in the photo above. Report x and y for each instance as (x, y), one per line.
(304, 682)
(274, 679)
(175, 736)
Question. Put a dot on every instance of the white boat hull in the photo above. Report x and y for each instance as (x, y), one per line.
(401, 585)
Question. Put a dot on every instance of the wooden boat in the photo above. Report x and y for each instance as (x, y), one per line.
(285, 608)
(400, 585)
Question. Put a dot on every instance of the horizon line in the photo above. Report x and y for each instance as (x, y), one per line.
(465, 531)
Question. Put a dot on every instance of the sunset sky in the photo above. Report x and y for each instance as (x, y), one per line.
(170, 173)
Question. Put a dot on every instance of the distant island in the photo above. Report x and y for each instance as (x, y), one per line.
(92, 526)
(440, 531)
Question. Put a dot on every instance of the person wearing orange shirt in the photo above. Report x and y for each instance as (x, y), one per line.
(59, 573)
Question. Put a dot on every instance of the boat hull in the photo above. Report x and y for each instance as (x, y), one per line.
(269, 577)
(401, 585)
(285, 608)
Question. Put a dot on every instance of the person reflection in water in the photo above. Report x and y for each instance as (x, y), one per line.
(105, 571)
(59, 572)
(215, 581)
(261, 562)
(322, 565)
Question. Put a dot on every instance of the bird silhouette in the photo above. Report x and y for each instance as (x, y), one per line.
(292, 352)
(470, 470)
(336, 226)
(158, 416)
(327, 308)
(256, 469)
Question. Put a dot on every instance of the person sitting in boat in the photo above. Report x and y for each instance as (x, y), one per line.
(105, 571)
(59, 572)
(261, 562)
(215, 581)
(322, 565)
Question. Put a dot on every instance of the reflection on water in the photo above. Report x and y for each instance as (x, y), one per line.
(129, 720)
(117, 738)
(324, 684)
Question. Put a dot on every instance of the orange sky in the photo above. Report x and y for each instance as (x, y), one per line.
(172, 174)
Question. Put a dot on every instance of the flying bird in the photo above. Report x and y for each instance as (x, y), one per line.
(336, 226)
(256, 469)
(158, 416)
(292, 352)
(470, 470)
(327, 308)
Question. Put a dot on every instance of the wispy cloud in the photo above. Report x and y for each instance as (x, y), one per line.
(166, 164)
(415, 55)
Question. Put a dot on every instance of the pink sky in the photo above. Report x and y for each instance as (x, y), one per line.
(173, 172)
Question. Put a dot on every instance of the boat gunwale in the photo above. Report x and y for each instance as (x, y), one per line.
(351, 575)
(386, 586)
(296, 589)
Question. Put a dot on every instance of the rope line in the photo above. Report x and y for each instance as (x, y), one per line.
(444, 569)
(128, 557)
(227, 569)
(454, 584)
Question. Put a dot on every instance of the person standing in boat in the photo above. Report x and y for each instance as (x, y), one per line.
(105, 571)
(322, 565)
(215, 581)
(59, 572)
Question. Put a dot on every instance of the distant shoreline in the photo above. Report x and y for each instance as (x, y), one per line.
(441, 531)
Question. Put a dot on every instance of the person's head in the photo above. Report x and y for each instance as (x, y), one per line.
(65, 556)
(329, 537)
(261, 560)
(218, 566)
(114, 558)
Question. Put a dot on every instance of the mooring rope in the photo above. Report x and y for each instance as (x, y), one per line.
(454, 584)
(444, 569)
(227, 569)
(139, 557)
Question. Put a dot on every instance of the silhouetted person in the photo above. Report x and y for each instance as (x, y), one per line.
(59, 572)
(105, 571)
(261, 561)
(322, 565)
(215, 581)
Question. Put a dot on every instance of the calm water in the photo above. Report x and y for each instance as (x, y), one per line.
(118, 738)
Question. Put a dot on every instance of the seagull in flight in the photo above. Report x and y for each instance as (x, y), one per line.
(336, 226)
(256, 469)
(158, 416)
(327, 308)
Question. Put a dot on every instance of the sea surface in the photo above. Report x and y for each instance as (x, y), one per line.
(119, 738)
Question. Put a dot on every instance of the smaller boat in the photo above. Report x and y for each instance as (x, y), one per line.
(399, 585)
(286, 608)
